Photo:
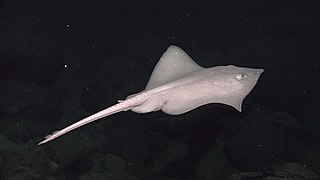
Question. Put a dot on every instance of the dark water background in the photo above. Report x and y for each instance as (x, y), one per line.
(65, 59)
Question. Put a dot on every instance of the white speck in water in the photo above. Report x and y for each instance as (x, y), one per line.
(68, 25)
(65, 65)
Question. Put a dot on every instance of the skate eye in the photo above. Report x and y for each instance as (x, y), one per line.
(239, 77)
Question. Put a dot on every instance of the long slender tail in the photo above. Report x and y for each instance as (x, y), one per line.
(121, 106)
